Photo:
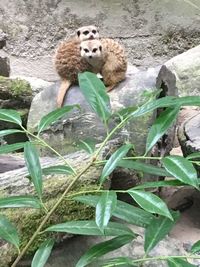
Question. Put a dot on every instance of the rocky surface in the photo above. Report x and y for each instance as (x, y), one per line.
(151, 31)
(186, 69)
(81, 124)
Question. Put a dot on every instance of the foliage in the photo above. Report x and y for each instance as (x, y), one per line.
(152, 214)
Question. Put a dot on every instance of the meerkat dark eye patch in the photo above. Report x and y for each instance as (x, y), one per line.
(85, 32)
(100, 48)
(78, 33)
(94, 50)
(86, 50)
(94, 31)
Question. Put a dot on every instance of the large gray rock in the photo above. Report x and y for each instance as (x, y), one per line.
(4, 66)
(186, 68)
(189, 136)
(81, 124)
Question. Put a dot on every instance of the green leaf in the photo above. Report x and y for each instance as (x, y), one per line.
(33, 166)
(111, 164)
(9, 131)
(103, 248)
(90, 228)
(54, 116)
(95, 93)
(195, 155)
(157, 230)
(150, 202)
(144, 167)
(58, 169)
(20, 202)
(42, 254)
(10, 116)
(88, 145)
(123, 211)
(161, 125)
(10, 148)
(175, 262)
(159, 184)
(120, 261)
(8, 232)
(196, 247)
(166, 102)
(104, 209)
(181, 169)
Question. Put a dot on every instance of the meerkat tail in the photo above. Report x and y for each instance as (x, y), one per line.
(110, 87)
(65, 84)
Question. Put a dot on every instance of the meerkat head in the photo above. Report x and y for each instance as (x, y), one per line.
(87, 33)
(91, 49)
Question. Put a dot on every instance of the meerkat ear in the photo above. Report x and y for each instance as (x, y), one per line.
(78, 33)
(100, 48)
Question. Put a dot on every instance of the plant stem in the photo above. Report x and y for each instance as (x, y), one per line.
(51, 148)
(49, 214)
(120, 125)
(130, 158)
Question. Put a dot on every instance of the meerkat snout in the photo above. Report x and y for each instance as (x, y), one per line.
(91, 49)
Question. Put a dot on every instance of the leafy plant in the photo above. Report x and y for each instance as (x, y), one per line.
(152, 214)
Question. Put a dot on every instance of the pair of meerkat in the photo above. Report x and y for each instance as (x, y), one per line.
(85, 52)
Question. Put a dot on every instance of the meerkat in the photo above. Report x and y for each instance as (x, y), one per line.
(107, 57)
(68, 61)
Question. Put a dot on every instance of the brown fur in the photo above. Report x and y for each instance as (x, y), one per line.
(68, 62)
(111, 58)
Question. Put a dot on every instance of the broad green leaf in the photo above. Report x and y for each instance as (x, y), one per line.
(88, 145)
(176, 262)
(33, 166)
(10, 116)
(20, 202)
(9, 131)
(144, 167)
(8, 231)
(42, 254)
(123, 211)
(53, 116)
(166, 102)
(150, 202)
(120, 261)
(10, 148)
(195, 155)
(104, 209)
(90, 228)
(111, 164)
(103, 248)
(58, 169)
(181, 169)
(196, 247)
(159, 184)
(94, 91)
(160, 126)
(157, 230)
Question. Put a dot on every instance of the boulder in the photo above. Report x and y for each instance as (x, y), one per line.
(4, 66)
(186, 68)
(189, 136)
(135, 90)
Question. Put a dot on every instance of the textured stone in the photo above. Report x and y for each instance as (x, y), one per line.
(186, 68)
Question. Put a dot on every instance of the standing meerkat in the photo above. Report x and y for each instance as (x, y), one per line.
(108, 58)
(68, 61)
